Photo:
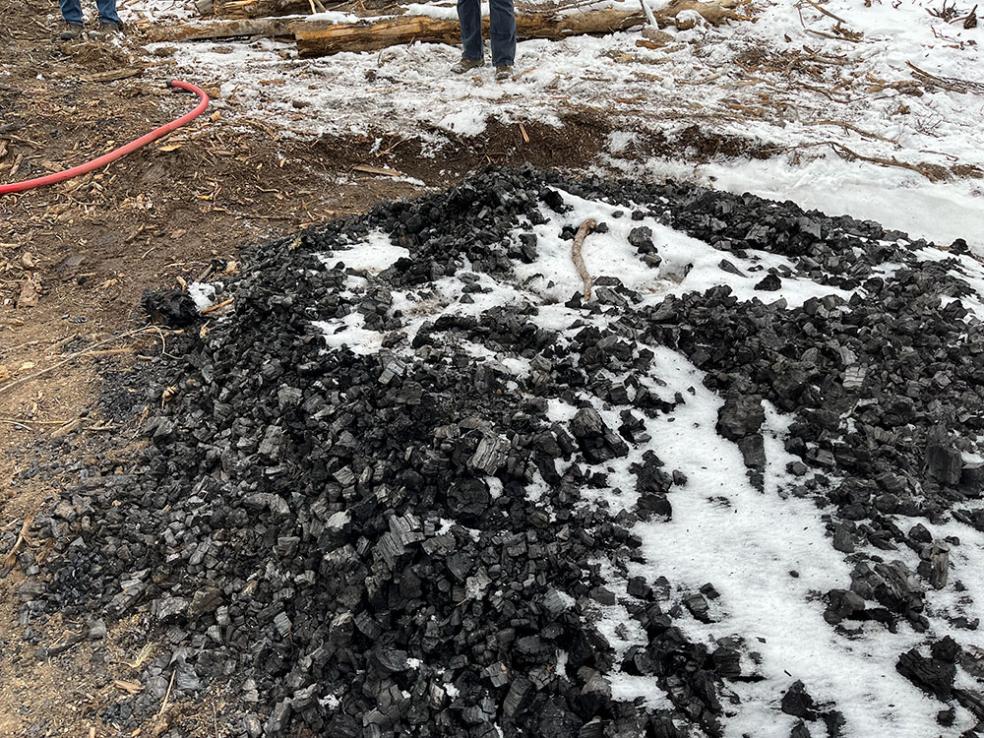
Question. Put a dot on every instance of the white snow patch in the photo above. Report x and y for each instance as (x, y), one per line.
(559, 411)
(628, 688)
(376, 254)
(688, 265)
(495, 487)
(350, 332)
(202, 293)
(330, 702)
(339, 520)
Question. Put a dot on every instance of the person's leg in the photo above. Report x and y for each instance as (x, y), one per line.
(107, 12)
(470, 17)
(502, 32)
(71, 11)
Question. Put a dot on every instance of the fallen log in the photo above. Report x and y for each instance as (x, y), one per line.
(218, 29)
(319, 39)
(375, 35)
(268, 8)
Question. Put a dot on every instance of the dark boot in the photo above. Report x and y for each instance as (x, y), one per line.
(107, 29)
(70, 32)
(466, 65)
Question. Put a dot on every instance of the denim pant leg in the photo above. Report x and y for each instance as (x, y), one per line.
(107, 10)
(502, 32)
(71, 11)
(470, 17)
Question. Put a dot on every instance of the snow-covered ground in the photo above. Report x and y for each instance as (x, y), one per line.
(780, 80)
(766, 553)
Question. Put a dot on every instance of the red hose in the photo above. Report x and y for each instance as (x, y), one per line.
(30, 184)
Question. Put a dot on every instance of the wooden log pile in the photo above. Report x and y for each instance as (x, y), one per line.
(373, 35)
(322, 38)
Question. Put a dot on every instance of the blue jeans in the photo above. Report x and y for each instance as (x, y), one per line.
(502, 30)
(72, 11)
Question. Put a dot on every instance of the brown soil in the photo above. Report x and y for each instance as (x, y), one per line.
(577, 142)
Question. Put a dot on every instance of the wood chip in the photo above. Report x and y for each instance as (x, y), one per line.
(64, 430)
(29, 291)
(379, 171)
(216, 307)
(128, 687)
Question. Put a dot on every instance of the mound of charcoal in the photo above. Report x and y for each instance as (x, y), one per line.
(404, 541)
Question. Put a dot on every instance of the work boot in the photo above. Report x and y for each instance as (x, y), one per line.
(466, 65)
(70, 32)
(503, 72)
(107, 29)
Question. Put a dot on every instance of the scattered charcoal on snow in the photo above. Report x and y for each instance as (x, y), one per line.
(401, 535)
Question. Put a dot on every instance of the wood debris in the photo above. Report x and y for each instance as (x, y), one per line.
(22, 539)
(378, 171)
(321, 39)
(578, 258)
(324, 39)
(952, 84)
(128, 687)
(30, 291)
(216, 29)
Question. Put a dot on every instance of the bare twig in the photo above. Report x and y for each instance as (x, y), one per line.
(851, 127)
(821, 34)
(216, 307)
(950, 83)
(582, 233)
(167, 695)
(826, 12)
(33, 422)
(932, 172)
(11, 557)
(15, 423)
